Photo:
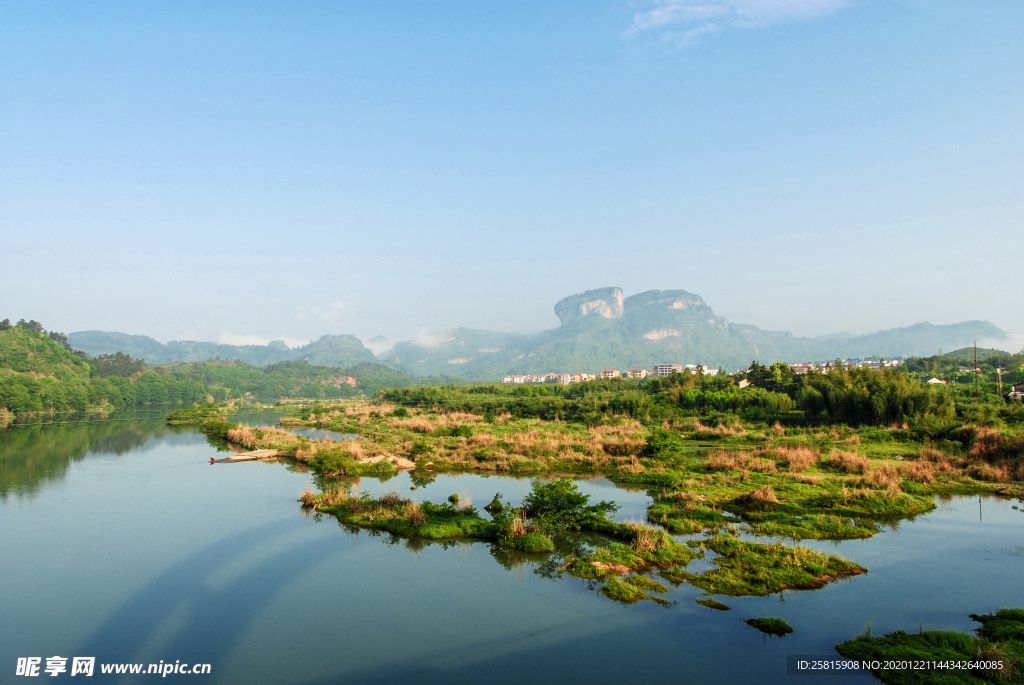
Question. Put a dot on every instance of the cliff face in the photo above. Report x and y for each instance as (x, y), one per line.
(604, 302)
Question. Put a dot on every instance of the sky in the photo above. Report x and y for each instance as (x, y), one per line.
(242, 172)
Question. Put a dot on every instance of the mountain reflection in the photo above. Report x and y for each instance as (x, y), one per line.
(41, 449)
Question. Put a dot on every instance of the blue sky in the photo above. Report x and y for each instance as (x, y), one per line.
(249, 171)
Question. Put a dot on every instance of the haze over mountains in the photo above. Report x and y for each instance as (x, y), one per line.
(599, 329)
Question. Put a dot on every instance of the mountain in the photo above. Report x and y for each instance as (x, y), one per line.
(602, 329)
(598, 329)
(329, 350)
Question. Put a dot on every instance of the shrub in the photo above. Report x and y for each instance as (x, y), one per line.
(558, 504)
(331, 461)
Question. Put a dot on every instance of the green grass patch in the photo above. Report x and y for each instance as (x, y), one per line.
(770, 626)
(1000, 639)
(751, 568)
(629, 592)
(713, 604)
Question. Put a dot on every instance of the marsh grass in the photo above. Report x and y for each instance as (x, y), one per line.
(848, 462)
(765, 498)
(751, 568)
(1000, 639)
(770, 626)
(711, 603)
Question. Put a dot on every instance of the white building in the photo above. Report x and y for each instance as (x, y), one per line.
(667, 369)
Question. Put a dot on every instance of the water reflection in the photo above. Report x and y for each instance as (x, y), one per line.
(33, 453)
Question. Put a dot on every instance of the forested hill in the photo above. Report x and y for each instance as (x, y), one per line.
(39, 372)
(330, 350)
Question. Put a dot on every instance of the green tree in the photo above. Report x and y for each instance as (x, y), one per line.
(559, 505)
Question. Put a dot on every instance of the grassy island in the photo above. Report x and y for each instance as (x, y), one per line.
(770, 626)
(995, 655)
(835, 455)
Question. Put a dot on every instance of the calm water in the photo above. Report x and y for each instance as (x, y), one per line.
(118, 540)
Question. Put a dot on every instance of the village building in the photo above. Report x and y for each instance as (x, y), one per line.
(637, 373)
(609, 373)
(667, 369)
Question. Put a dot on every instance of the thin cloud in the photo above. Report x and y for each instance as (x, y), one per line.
(687, 21)
(238, 339)
(334, 312)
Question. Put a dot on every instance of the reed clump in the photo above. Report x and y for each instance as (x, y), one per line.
(795, 459)
(764, 498)
(848, 462)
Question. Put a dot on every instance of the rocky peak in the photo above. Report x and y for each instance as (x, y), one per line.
(604, 302)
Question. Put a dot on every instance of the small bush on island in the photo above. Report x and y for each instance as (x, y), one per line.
(559, 505)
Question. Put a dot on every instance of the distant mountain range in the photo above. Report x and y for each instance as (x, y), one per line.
(330, 350)
(599, 329)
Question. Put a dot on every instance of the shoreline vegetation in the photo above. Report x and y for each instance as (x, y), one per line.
(744, 490)
(787, 457)
(741, 472)
(40, 374)
(995, 655)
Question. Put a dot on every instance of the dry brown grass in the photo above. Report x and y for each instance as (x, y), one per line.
(884, 477)
(760, 465)
(622, 445)
(919, 472)
(646, 538)
(461, 416)
(1001, 472)
(417, 424)
(519, 527)
(626, 428)
(629, 465)
(720, 431)
(778, 429)
(848, 462)
(721, 460)
(765, 498)
(242, 435)
(415, 515)
(796, 459)
(929, 454)
(358, 409)
(482, 440)
(690, 500)
(807, 480)
(992, 446)
(852, 440)
(308, 499)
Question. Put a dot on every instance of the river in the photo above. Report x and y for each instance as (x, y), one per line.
(119, 540)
